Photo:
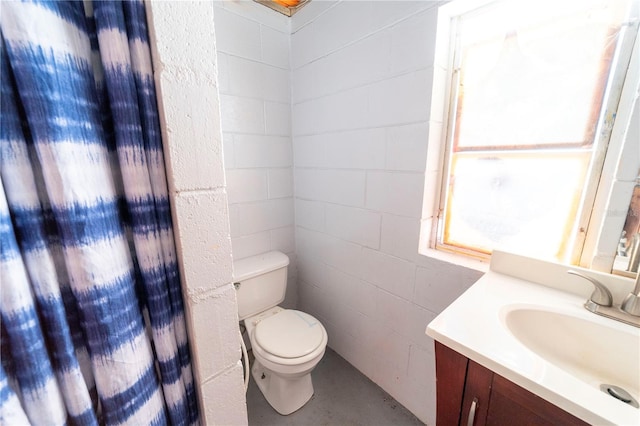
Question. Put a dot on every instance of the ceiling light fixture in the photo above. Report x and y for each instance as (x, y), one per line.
(286, 7)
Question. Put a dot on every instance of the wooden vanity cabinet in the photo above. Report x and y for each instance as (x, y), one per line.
(466, 389)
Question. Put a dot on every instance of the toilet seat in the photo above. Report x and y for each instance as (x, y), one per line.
(289, 334)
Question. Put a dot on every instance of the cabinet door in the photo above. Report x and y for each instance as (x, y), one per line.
(451, 372)
(469, 394)
(512, 405)
(477, 393)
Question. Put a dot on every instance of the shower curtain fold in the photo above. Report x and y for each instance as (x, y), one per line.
(87, 241)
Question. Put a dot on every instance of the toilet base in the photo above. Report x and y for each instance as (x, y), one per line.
(285, 395)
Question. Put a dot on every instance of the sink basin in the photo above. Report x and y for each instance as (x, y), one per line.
(589, 350)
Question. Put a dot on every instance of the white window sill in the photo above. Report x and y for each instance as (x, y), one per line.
(456, 259)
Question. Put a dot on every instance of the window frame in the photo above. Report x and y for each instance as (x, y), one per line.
(607, 187)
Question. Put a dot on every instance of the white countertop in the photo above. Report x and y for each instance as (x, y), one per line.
(473, 325)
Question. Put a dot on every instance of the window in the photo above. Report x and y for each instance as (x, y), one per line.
(534, 88)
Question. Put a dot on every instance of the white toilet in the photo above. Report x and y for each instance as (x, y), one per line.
(287, 344)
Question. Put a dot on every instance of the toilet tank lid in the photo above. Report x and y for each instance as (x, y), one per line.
(253, 266)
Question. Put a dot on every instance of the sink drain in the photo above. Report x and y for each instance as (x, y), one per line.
(618, 393)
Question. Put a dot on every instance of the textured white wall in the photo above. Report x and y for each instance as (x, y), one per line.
(362, 74)
(255, 101)
(185, 75)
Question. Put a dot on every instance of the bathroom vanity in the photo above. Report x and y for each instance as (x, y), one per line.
(519, 347)
(470, 394)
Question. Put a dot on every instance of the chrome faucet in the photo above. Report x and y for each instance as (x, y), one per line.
(601, 296)
(601, 302)
(631, 303)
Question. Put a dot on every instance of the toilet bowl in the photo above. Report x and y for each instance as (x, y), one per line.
(299, 342)
(287, 344)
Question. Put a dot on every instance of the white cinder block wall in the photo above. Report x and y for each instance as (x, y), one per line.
(362, 73)
(185, 75)
(255, 97)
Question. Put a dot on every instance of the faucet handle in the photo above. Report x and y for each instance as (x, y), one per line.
(601, 296)
(631, 303)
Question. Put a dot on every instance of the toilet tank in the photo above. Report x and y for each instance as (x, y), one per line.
(260, 281)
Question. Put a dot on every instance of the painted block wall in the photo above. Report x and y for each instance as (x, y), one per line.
(359, 165)
(254, 77)
(361, 74)
(255, 99)
(185, 73)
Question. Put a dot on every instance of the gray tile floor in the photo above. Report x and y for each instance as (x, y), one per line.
(343, 396)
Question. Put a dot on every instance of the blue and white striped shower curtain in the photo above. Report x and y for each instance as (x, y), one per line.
(93, 328)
